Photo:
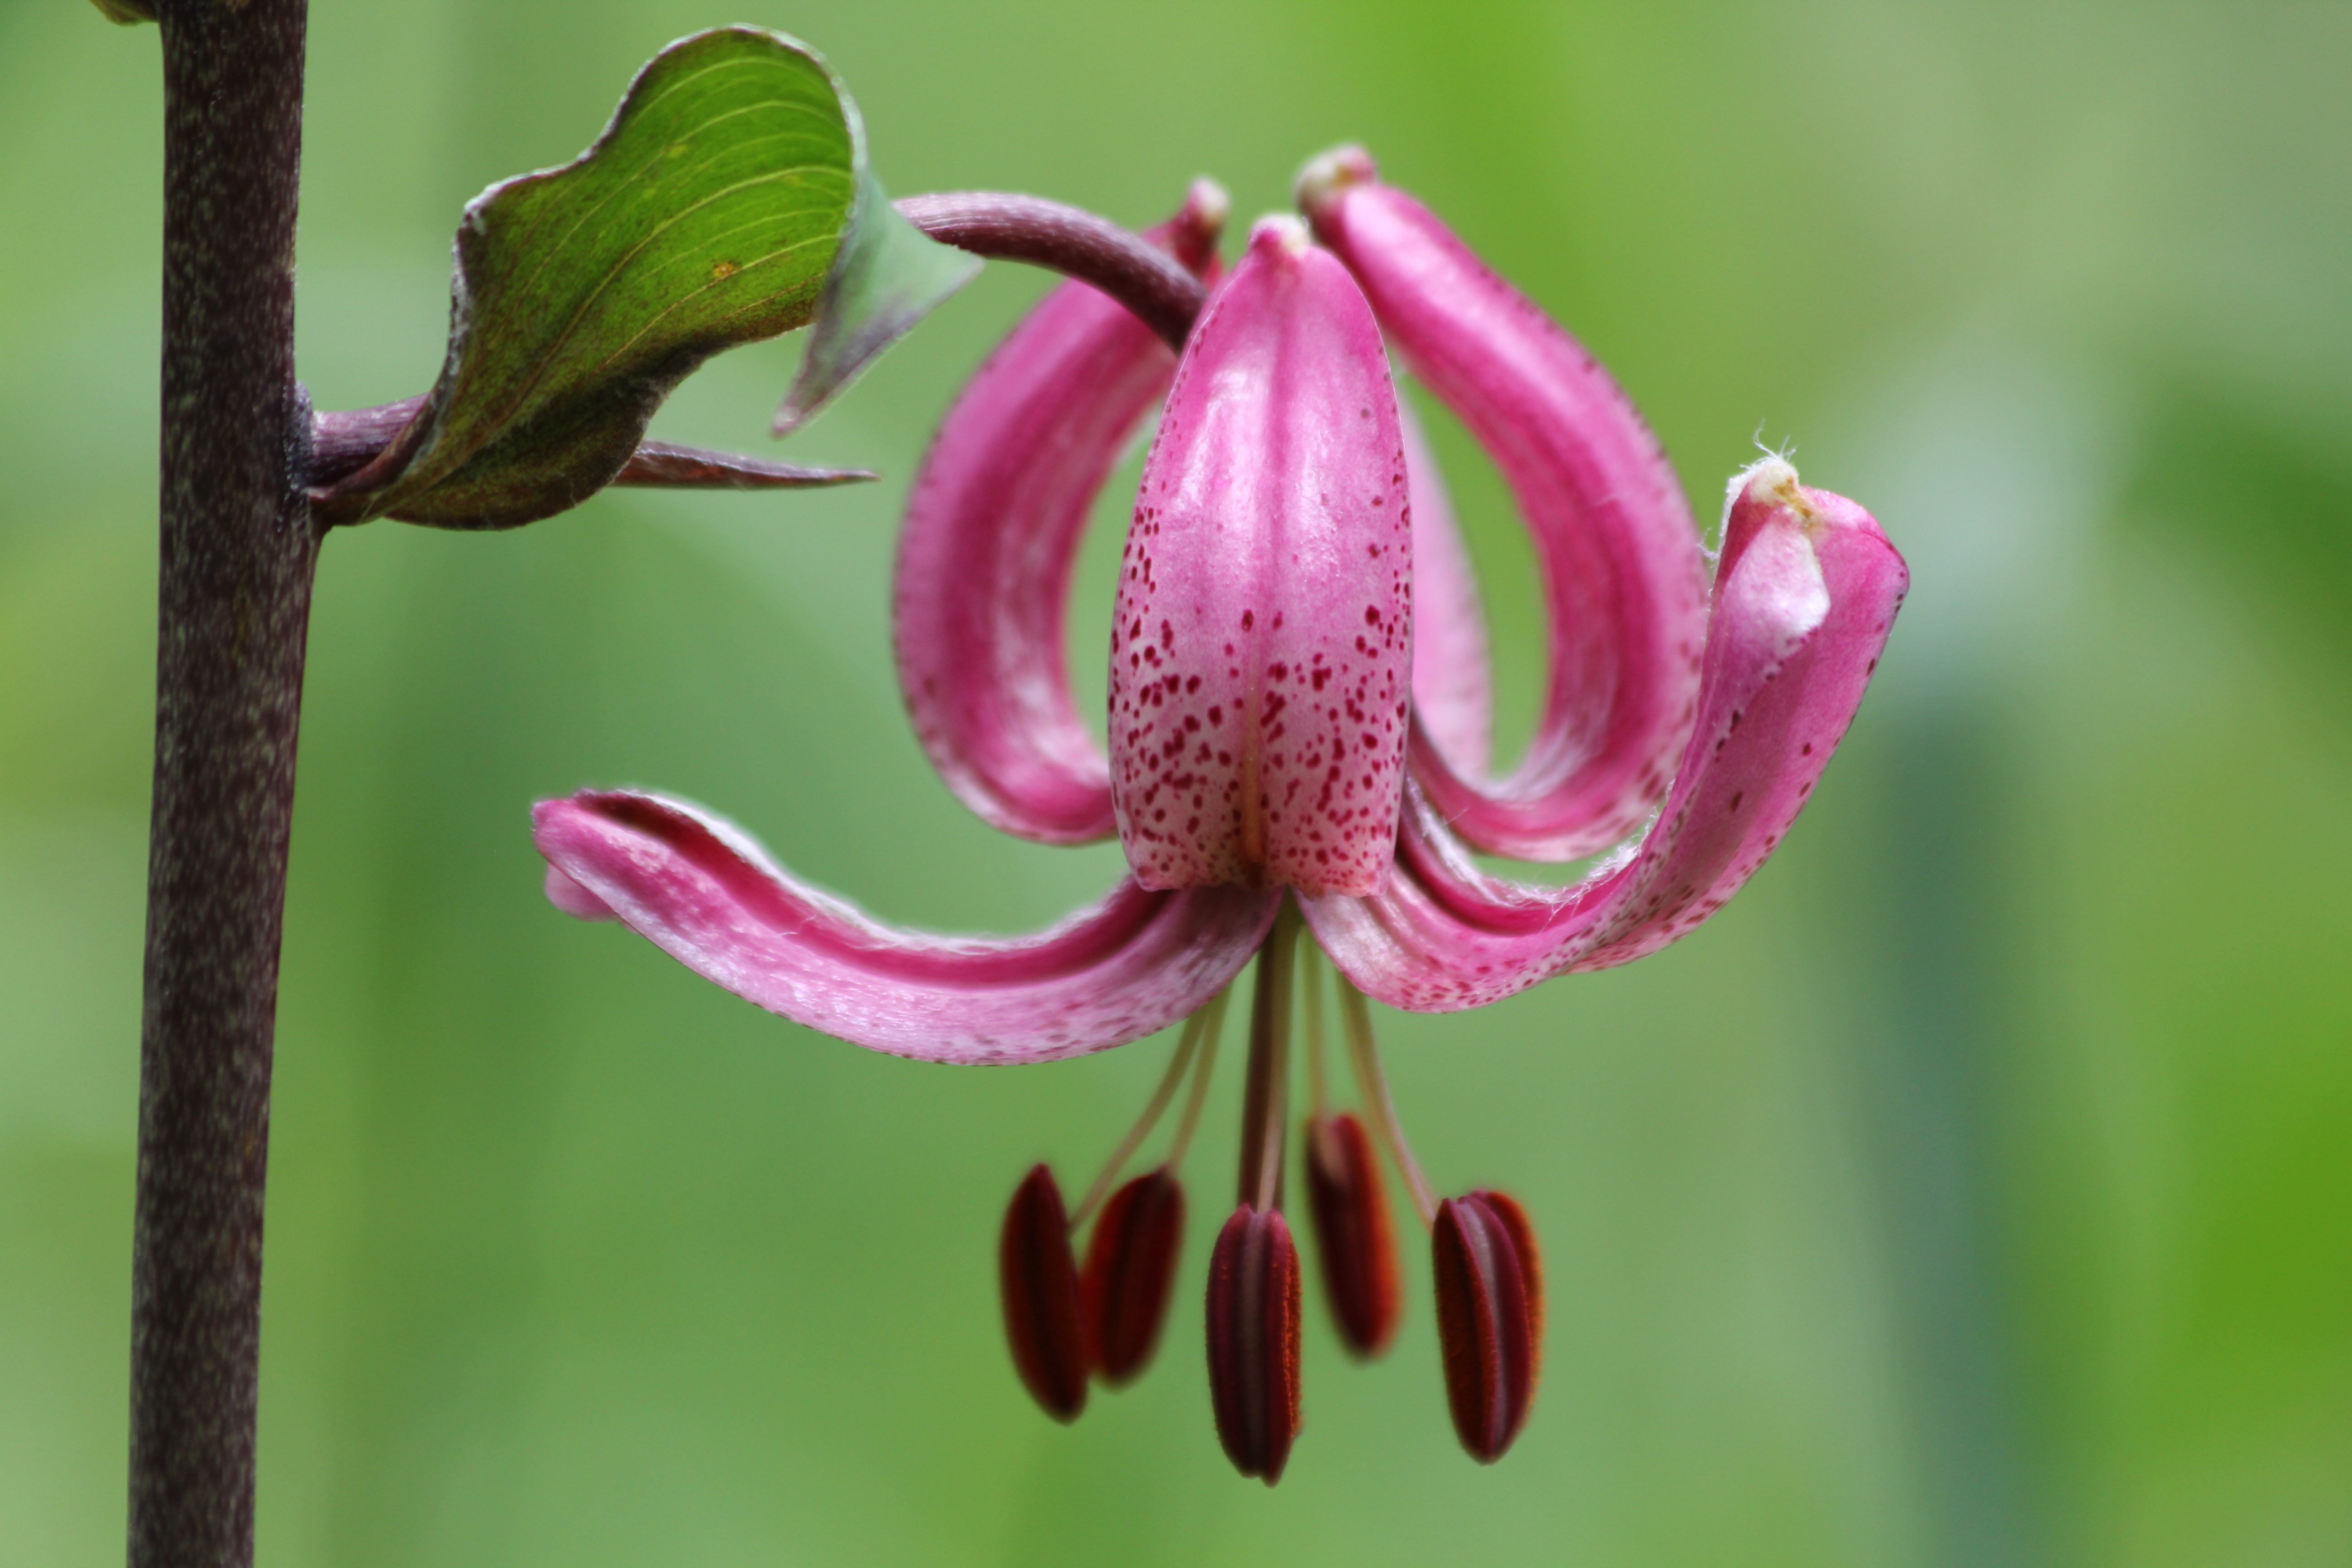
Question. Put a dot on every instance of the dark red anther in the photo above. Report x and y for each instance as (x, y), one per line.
(1131, 1270)
(1254, 1340)
(1040, 1284)
(1489, 1317)
(1531, 1280)
(1353, 1238)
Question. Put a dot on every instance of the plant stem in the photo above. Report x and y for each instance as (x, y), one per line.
(1071, 241)
(238, 555)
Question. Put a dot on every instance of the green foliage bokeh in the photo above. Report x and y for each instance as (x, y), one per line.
(1977, 1189)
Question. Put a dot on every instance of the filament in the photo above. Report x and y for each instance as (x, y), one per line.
(1213, 1028)
(1310, 986)
(1186, 1046)
(1374, 1085)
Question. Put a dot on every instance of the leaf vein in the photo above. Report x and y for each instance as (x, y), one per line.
(555, 348)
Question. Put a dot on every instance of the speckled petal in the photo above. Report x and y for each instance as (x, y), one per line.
(1453, 684)
(1624, 580)
(1261, 652)
(991, 528)
(706, 894)
(1807, 589)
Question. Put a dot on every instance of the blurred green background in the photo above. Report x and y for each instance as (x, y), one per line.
(1977, 1189)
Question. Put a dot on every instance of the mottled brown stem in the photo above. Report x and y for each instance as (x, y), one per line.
(237, 555)
(1071, 241)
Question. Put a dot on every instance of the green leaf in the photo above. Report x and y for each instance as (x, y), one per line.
(717, 209)
(887, 276)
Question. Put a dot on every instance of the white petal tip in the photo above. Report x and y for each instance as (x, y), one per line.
(1280, 233)
(1771, 479)
(1325, 177)
(1207, 207)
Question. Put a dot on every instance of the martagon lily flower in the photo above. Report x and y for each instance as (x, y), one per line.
(1298, 746)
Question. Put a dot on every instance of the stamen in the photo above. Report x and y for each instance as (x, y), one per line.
(1187, 1045)
(1489, 1319)
(1211, 1031)
(1310, 984)
(1131, 1270)
(1266, 1108)
(1038, 1281)
(1374, 1087)
(1355, 1243)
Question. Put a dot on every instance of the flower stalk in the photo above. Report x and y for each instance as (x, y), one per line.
(1157, 289)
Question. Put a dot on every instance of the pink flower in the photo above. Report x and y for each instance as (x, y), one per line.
(1298, 704)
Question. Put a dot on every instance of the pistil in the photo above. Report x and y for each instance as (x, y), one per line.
(1253, 1306)
(1266, 1104)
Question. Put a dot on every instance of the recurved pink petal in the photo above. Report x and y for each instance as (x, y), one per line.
(1452, 686)
(1624, 580)
(574, 899)
(703, 892)
(1261, 649)
(1807, 590)
(991, 529)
